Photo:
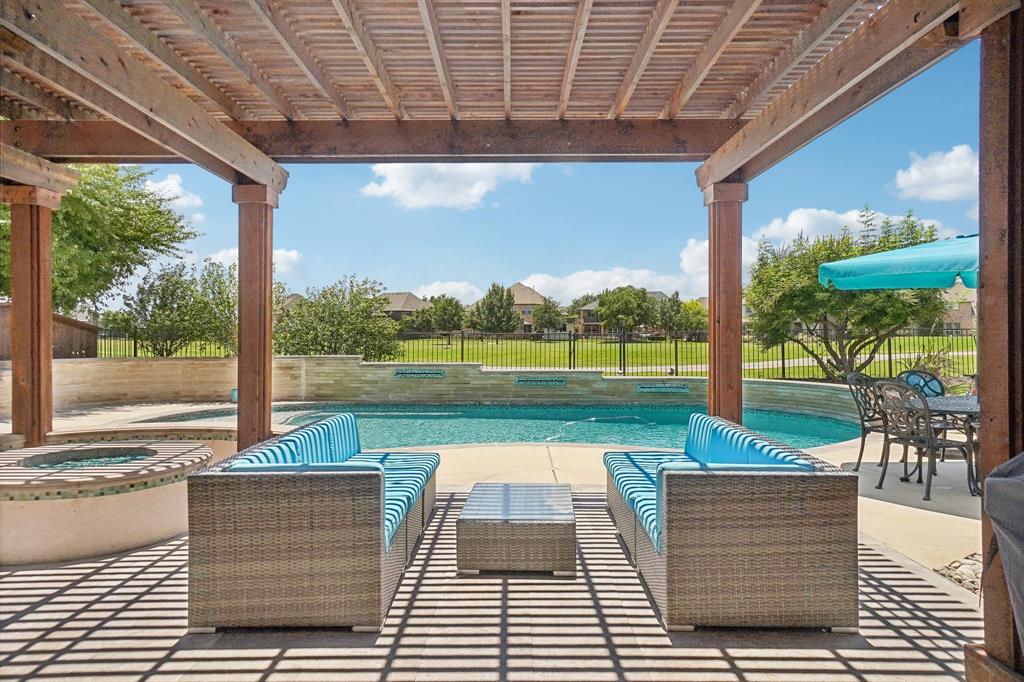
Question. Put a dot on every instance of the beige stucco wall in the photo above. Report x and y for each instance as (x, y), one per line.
(40, 531)
(79, 382)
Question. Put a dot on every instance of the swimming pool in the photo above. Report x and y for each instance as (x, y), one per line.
(392, 426)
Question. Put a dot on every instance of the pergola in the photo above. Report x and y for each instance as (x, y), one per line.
(240, 86)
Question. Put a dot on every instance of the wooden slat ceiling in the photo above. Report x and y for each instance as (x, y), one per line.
(385, 66)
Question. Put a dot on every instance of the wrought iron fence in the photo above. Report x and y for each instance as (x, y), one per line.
(683, 354)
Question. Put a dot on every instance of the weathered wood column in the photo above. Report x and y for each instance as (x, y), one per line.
(725, 298)
(256, 204)
(1000, 306)
(31, 310)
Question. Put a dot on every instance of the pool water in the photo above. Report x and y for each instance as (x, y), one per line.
(391, 426)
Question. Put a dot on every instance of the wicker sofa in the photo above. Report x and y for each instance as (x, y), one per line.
(305, 530)
(739, 530)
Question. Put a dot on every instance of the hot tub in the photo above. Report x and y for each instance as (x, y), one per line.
(72, 501)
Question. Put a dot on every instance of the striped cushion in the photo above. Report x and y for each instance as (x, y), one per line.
(334, 439)
(274, 453)
(716, 440)
(635, 475)
(405, 476)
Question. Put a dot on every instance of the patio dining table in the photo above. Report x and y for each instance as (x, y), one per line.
(963, 411)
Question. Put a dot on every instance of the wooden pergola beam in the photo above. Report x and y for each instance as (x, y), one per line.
(26, 169)
(506, 55)
(656, 26)
(142, 38)
(887, 34)
(808, 40)
(429, 19)
(68, 83)
(127, 91)
(738, 15)
(391, 141)
(916, 59)
(572, 59)
(291, 42)
(212, 34)
(13, 85)
(371, 58)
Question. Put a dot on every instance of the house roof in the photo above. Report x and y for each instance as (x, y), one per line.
(403, 301)
(525, 295)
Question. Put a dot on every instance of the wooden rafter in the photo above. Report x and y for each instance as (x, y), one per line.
(26, 169)
(889, 32)
(204, 27)
(370, 56)
(113, 82)
(808, 40)
(437, 54)
(917, 58)
(14, 85)
(142, 38)
(572, 59)
(269, 13)
(720, 40)
(506, 55)
(656, 26)
(71, 84)
(384, 141)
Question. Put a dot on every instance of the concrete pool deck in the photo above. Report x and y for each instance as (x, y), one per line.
(931, 533)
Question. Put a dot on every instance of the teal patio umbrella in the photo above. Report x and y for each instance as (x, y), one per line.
(935, 265)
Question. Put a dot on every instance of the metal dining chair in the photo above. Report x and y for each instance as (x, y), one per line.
(926, 382)
(870, 416)
(908, 422)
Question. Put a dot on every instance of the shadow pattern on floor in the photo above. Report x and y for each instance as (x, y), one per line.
(124, 617)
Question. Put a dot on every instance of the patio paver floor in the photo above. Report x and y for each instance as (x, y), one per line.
(124, 617)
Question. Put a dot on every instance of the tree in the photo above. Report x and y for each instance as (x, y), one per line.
(348, 317)
(495, 313)
(446, 313)
(580, 301)
(109, 225)
(167, 311)
(693, 317)
(218, 285)
(841, 330)
(418, 321)
(625, 308)
(547, 315)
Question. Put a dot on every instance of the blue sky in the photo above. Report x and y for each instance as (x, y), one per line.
(568, 228)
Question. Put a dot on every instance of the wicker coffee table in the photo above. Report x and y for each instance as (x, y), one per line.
(511, 527)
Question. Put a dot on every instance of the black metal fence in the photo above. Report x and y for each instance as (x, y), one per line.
(951, 352)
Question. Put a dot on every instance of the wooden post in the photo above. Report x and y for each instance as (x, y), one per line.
(1000, 327)
(31, 310)
(725, 298)
(256, 204)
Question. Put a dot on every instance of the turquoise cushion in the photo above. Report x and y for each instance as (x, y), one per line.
(405, 476)
(713, 440)
(333, 439)
(275, 453)
(303, 467)
(635, 475)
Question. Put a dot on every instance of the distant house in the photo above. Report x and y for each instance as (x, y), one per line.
(590, 322)
(71, 338)
(401, 304)
(961, 308)
(524, 300)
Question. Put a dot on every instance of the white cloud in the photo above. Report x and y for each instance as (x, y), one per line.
(286, 261)
(693, 261)
(567, 287)
(172, 188)
(197, 218)
(464, 291)
(816, 222)
(442, 185)
(940, 176)
(973, 212)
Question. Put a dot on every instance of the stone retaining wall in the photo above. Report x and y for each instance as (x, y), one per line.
(85, 382)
